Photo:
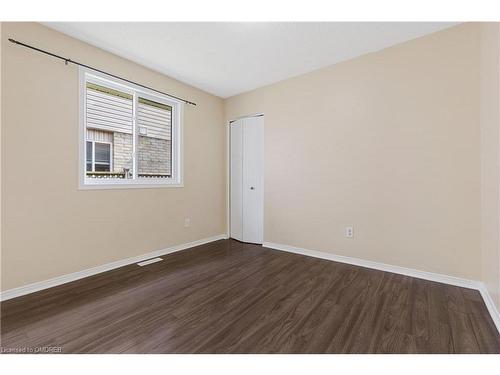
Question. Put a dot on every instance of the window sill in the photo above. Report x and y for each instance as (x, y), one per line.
(111, 185)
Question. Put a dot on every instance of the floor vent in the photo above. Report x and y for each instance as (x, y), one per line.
(146, 262)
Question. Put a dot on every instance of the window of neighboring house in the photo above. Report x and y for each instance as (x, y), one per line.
(98, 157)
(132, 136)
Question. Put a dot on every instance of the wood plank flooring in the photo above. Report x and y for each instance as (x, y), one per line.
(229, 297)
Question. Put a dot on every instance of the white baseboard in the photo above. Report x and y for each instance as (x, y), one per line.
(35, 287)
(492, 309)
(452, 280)
(440, 278)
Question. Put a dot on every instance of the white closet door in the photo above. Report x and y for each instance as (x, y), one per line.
(253, 179)
(236, 194)
(247, 179)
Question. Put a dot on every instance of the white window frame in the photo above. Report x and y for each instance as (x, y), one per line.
(87, 75)
(93, 154)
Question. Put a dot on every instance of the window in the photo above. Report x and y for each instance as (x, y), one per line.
(130, 136)
(98, 157)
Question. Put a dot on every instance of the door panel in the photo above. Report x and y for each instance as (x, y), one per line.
(253, 180)
(236, 170)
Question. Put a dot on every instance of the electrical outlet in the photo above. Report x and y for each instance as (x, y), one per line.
(187, 222)
(349, 232)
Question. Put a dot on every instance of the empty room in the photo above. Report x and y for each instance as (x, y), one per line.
(250, 187)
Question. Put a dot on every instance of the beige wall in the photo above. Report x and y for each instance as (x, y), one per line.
(388, 142)
(50, 227)
(490, 154)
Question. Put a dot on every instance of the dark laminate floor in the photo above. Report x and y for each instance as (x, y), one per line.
(227, 297)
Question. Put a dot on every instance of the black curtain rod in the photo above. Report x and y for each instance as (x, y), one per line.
(69, 61)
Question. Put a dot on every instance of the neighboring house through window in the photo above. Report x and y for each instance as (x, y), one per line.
(98, 157)
(131, 136)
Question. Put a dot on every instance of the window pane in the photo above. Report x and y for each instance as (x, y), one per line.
(102, 168)
(102, 153)
(89, 152)
(154, 121)
(109, 125)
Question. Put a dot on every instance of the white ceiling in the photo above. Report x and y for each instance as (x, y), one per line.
(226, 59)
